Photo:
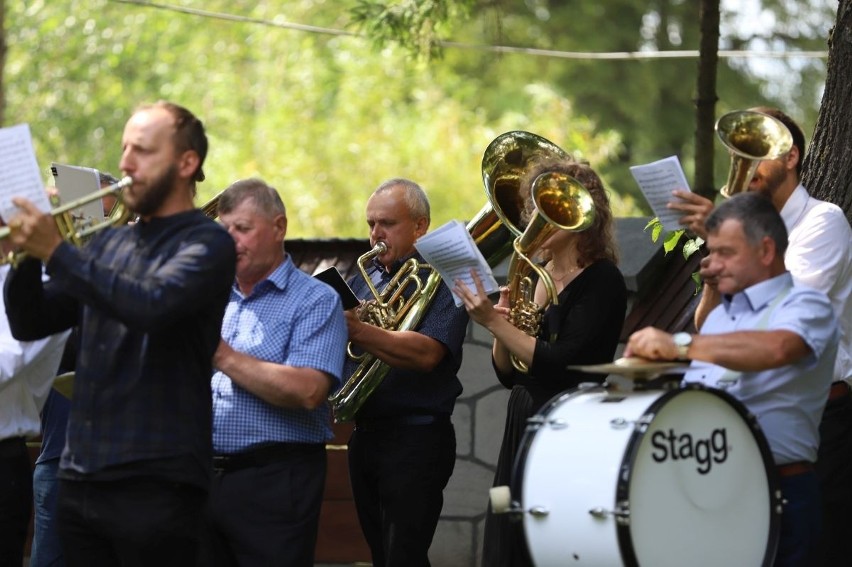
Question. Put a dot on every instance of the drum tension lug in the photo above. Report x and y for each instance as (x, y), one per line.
(621, 513)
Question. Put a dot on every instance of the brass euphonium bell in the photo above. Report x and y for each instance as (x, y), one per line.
(750, 137)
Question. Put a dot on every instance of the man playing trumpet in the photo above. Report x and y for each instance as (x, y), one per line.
(150, 299)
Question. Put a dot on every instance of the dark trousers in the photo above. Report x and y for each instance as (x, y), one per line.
(398, 476)
(266, 514)
(834, 469)
(800, 521)
(16, 500)
(130, 522)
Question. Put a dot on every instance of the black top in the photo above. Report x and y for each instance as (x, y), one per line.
(150, 299)
(586, 324)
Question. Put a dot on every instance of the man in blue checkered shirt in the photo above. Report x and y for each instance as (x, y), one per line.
(281, 354)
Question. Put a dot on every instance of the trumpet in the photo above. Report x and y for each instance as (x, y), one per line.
(71, 228)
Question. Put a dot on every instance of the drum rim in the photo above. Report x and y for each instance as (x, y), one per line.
(622, 493)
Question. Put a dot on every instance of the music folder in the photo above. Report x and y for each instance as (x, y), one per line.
(332, 277)
(75, 182)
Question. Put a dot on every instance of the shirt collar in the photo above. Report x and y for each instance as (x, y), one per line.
(760, 294)
(795, 206)
(397, 264)
(278, 278)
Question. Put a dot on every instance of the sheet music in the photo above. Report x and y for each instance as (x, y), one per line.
(452, 252)
(19, 172)
(657, 180)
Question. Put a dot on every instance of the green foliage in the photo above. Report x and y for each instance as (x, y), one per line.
(322, 118)
(325, 118)
(671, 240)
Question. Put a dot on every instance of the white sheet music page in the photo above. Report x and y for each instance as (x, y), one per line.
(452, 252)
(19, 172)
(657, 180)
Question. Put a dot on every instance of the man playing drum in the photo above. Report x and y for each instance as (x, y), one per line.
(771, 344)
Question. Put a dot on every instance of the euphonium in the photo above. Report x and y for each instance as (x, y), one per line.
(562, 203)
(493, 228)
(750, 137)
(70, 227)
(400, 307)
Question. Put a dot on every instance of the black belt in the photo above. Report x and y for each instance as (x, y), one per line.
(385, 423)
(13, 447)
(265, 455)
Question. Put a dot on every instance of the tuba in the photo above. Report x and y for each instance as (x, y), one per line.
(562, 203)
(750, 138)
(493, 228)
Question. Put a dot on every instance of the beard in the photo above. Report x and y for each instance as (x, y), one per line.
(150, 200)
(769, 183)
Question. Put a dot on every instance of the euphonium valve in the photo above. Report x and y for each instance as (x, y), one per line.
(750, 138)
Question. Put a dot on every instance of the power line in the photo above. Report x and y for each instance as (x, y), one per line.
(612, 56)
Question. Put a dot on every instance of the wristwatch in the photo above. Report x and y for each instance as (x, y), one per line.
(682, 342)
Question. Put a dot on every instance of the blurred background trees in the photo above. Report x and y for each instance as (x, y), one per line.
(365, 90)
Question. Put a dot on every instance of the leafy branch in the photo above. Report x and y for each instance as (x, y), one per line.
(670, 242)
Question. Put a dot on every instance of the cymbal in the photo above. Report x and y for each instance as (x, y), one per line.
(64, 383)
(634, 367)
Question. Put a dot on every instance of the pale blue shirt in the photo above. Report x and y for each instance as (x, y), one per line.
(788, 401)
(293, 319)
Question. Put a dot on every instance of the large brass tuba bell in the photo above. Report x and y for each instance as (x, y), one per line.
(750, 138)
(562, 203)
(493, 229)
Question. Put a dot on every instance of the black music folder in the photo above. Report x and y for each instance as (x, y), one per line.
(332, 277)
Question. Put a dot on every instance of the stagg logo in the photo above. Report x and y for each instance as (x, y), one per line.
(669, 445)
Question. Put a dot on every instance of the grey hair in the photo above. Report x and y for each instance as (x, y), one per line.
(757, 215)
(414, 196)
(265, 198)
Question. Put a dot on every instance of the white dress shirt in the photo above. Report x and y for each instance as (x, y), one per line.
(27, 370)
(819, 256)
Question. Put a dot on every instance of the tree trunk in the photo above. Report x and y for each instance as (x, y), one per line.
(706, 97)
(827, 170)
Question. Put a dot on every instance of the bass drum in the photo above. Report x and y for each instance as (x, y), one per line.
(652, 478)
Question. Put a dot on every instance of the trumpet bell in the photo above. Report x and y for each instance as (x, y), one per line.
(750, 138)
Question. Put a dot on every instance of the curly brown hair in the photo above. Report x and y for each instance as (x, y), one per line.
(596, 242)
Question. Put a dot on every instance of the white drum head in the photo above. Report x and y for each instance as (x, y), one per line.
(647, 478)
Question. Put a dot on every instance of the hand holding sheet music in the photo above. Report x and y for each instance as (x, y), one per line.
(452, 252)
(19, 171)
(657, 180)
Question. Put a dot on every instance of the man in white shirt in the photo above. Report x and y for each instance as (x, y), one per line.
(818, 256)
(27, 370)
(772, 345)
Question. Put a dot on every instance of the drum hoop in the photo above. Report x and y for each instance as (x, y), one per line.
(625, 541)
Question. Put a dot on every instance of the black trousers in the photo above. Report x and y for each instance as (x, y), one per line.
(129, 522)
(834, 470)
(398, 475)
(264, 512)
(16, 500)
